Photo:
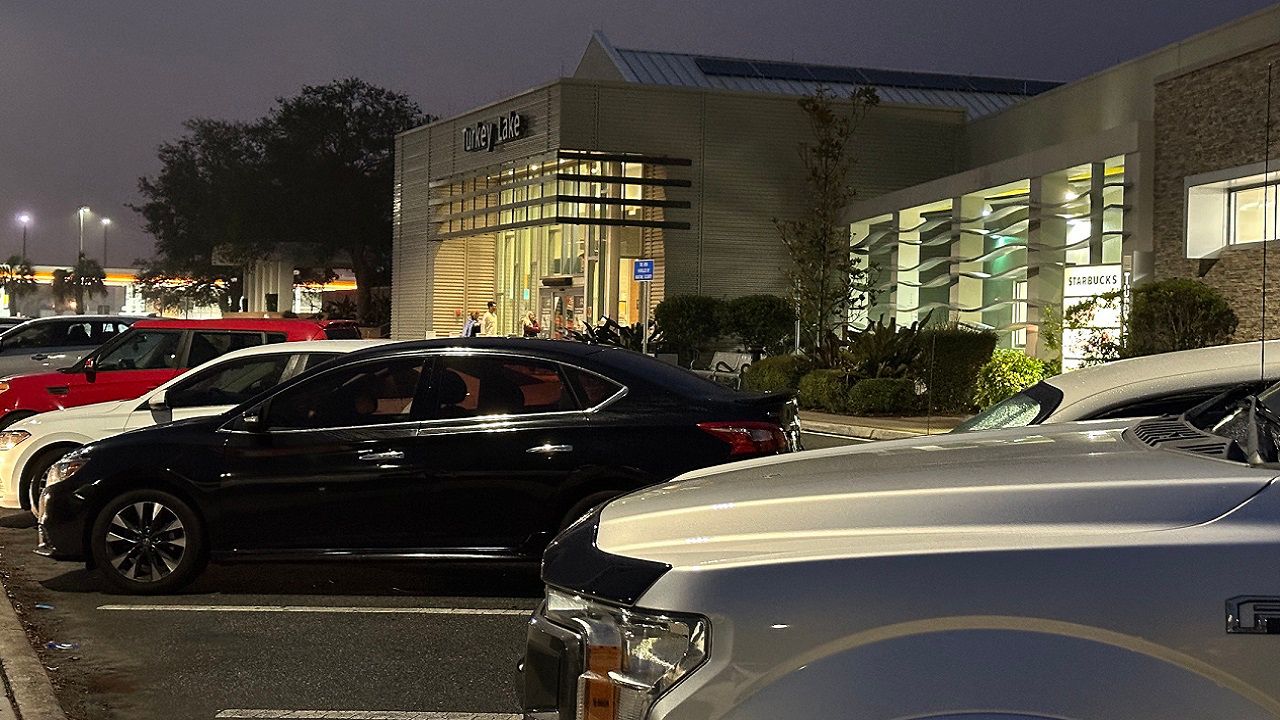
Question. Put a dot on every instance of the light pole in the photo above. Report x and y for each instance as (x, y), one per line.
(84, 210)
(24, 219)
(106, 223)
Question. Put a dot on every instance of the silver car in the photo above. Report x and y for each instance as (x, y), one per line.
(1078, 571)
(55, 342)
(1166, 384)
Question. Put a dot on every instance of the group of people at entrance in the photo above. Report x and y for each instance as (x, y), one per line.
(486, 324)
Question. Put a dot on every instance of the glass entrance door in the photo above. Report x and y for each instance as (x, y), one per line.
(560, 311)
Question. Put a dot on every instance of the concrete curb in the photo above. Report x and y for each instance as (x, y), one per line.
(31, 691)
(864, 432)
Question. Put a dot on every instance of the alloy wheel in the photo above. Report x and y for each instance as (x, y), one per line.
(145, 541)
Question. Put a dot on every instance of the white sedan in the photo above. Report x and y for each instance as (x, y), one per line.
(30, 447)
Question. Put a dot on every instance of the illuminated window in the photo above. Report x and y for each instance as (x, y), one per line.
(1253, 214)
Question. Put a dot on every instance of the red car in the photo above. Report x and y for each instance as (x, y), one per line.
(148, 355)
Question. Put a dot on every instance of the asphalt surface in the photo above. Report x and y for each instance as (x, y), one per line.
(394, 641)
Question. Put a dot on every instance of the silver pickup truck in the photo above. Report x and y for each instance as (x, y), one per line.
(1083, 571)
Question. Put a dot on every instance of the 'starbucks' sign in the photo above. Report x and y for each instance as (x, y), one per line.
(489, 135)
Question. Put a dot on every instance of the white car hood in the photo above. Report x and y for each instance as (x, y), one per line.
(968, 490)
(72, 418)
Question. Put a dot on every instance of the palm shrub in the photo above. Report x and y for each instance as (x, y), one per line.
(885, 350)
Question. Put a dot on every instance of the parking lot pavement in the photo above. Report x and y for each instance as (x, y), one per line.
(390, 642)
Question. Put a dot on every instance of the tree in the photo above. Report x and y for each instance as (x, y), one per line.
(84, 279)
(175, 291)
(317, 172)
(829, 283)
(330, 154)
(212, 195)
(762, 323)
(17, 278)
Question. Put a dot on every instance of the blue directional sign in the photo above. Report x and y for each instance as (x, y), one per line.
(643, 270)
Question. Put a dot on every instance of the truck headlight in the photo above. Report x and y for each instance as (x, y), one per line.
(69, 465)
(10, 439)
(631, 657)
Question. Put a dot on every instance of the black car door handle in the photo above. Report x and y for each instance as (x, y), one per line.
(549, 449)
(382, 456)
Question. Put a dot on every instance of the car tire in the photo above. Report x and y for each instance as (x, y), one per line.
(583, 506)
(35, 471)
(147, 542)
(14, 417)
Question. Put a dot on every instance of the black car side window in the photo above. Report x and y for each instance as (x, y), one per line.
(372, 393)
(478, 385)
(592, 389)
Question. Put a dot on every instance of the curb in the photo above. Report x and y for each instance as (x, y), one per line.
(864, 432)
(29, 687)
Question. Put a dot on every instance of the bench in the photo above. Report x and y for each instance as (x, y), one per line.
(727, 367)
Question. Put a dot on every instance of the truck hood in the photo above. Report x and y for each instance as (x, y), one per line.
(1057, 483)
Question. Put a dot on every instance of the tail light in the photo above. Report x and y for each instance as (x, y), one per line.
(748, 438)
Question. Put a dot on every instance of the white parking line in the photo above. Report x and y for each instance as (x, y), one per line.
(316, 609)
(361, 715)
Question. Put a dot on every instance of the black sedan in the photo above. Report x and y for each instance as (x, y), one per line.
(462, 448)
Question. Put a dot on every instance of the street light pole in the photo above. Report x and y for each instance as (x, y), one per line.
(25, 219)
(84, 210)
(106, 223)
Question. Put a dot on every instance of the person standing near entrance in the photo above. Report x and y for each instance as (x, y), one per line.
(489, 323)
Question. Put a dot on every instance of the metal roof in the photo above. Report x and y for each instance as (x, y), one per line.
(976, 95)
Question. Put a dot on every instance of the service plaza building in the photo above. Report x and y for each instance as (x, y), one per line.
(988, 201)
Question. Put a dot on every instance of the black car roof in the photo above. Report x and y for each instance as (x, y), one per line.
(537, 346)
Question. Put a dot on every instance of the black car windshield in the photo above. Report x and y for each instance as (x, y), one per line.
(1029, 407)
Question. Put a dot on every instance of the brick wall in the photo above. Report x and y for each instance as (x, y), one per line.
(1208, 120)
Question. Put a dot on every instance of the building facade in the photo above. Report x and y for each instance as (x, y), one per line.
(1153, 168)
(543, 202)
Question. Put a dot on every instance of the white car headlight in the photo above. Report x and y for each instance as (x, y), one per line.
(632, 656)
(10, 439)
(69, 465)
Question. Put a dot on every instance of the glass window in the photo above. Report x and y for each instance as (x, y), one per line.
(476, 386)
(1029, 407)
(104, 331)
(592, 389)
(230, 383)
(206, 345)
(370, 393)
(1253, 214)
(311, 360)
(142, 350)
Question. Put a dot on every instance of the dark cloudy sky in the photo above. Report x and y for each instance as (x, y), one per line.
(89, 89)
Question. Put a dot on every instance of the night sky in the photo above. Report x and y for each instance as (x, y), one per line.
(89, 89)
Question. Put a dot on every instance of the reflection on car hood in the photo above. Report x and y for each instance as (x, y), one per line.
(70, 417)
(928, 494)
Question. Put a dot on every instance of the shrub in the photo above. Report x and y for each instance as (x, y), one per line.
(772, 374)
(1177, 314)
(950, 360)
(883, 396)
(885, 350)
(825, 390)
(761, 323)
(688, 323)
(1007, 373)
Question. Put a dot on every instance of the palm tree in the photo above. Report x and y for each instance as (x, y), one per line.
(84, 278)
(17, 279)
